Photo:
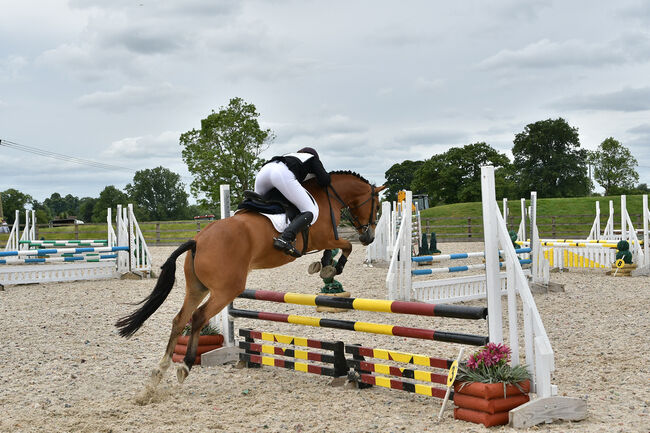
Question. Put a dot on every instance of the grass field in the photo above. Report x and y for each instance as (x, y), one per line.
(556, 217)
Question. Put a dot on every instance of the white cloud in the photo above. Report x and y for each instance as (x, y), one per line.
(11, 67)
(130, 97)
(163, 145)
(546, 54)
(626, 100)
(429, 84)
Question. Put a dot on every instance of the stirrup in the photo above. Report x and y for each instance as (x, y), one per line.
(286, 246)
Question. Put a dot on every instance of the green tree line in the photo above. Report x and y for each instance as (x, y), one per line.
(547, 159)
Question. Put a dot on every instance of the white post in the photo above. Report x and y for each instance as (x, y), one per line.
(597, 237)
(523, 220)
(534, 236)
(505, 210)
(227, 325)
(624, 218)
(493, 288)
(646, 216)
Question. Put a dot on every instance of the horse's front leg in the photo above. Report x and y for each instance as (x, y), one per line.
(346, 248)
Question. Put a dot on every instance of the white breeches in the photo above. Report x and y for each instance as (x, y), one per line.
(277, 175)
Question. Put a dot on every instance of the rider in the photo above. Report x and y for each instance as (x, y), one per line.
(286, 172)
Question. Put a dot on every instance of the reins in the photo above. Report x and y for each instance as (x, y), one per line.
(346, 210)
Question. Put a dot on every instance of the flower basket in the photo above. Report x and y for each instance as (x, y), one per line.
(209, 341)
(487, 387)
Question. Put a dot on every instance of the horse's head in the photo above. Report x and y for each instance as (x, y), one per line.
(361, 204)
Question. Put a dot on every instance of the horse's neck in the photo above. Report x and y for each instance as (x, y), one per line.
(347, 187)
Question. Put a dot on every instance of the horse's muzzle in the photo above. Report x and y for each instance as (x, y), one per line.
(367, 236)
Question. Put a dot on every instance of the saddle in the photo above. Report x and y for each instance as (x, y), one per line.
(273, 203)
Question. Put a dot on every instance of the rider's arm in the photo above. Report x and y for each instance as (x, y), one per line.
(322, 176)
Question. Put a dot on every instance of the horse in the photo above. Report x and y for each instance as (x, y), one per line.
(225, 251)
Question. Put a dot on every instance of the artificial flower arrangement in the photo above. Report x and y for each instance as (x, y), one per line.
(487, 387)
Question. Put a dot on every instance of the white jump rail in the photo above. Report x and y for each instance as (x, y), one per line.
(131, 254)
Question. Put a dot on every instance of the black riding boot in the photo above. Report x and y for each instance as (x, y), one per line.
(286, 239)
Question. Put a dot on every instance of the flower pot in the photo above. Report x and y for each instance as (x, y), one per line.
(206, 344)
(486, 403)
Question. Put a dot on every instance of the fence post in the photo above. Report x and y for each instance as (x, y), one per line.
(76, 230)
(469, 227)
(157, 233)
(553, 226)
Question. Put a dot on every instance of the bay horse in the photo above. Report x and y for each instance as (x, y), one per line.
(225, 251)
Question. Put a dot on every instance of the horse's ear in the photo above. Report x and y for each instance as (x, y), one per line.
(380, 188)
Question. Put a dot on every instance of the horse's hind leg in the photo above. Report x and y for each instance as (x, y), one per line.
(200, 318)
(195, 292)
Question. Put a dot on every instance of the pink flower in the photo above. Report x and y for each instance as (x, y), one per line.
(489, 355)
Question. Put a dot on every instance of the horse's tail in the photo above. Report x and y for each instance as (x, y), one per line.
(128, 325)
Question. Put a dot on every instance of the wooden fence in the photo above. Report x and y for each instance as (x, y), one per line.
(470, 229)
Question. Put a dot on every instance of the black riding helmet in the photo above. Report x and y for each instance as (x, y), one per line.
(309, 150)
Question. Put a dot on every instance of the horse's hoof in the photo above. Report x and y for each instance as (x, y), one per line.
(181, 373)
(314, 267)
(156, 377)
(328, 272)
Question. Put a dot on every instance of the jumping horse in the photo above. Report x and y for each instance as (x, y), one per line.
(225, 251)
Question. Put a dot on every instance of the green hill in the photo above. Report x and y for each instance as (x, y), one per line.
(556, 217)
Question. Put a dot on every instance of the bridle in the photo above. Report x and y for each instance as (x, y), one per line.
(346, 212)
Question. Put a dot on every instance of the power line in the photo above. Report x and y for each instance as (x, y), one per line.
(60, 156)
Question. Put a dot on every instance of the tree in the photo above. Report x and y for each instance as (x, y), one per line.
(62, 207)
(455, 176)
(86, 208)
(159, 193)
(614, 167)
(109, 197)
(399, 177)
(225, 150)
(548, 159)
(13, 200)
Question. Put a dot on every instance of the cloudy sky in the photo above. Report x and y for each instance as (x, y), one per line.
(368, 83)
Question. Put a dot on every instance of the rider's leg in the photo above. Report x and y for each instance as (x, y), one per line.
(285, 181)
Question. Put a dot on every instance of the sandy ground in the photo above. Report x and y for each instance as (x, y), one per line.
(65, 369)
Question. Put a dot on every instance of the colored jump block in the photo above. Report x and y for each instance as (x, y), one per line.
(457, 256)
(379, 305)
(46, 251)
(372, 328)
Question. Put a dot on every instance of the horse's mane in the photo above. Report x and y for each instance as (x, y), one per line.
(352, 173)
